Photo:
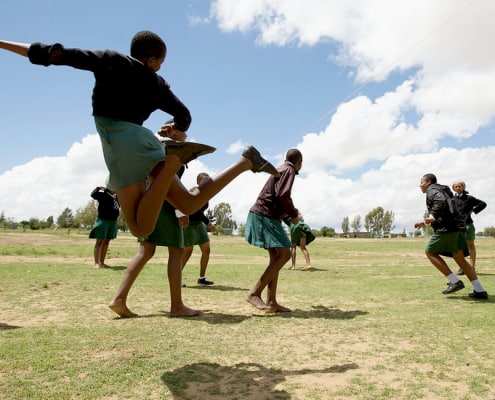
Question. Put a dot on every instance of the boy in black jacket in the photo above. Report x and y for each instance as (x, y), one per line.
(448, 237)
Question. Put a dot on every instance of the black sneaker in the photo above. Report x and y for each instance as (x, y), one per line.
(204, 281)
(478, 295)
(453, 287)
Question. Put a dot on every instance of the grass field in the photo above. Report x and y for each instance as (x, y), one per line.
(369, 322)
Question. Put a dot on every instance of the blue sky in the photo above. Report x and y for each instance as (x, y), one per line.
(374, 95)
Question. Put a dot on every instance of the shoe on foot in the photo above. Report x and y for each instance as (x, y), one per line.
(259, 163)
(186, 151)
(453, 287)
(204, 281)
(478, 295)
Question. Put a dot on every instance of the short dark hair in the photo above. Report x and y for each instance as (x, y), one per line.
(293, 155)
(201, 176)
(146, 44)
(430, 177)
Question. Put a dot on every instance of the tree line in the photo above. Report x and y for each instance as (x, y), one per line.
(377, 222)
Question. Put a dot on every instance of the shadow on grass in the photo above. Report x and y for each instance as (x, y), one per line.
(320, 312)
(220, 288)
(490, 300)
(219, 318)
(115, 268)
(313, 269)
(5, 327)
(210, 381)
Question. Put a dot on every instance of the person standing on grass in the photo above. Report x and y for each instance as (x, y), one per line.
(105, 227)
(196, 234)
(448, 238)
(264, 229)
(168, 232)
(467, 205)
(300, 235)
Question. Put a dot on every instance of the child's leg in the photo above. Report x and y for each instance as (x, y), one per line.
(189, 202)
(118, 304)
(305, 252)
(140, 206)
(103, 252)
(97, 251)
(271, 298)
(177, 307)
(293, 250)
(186, 255)
(458, 257)
(472, 252)
(205, 258)
(278, 258)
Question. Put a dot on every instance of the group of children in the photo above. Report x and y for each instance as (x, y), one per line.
(453, 232)
(143, 171)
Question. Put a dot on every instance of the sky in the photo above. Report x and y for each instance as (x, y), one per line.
(375, 93)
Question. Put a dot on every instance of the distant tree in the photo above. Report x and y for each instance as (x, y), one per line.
(356, 224)
(34, 224)
(222, 213)
(373, 222)
(241, 229)
(316, 232)
(49, 221)
(86, 216)
(345, 226)
(327, 232)
(24, 225)
(388, 222)
(2, 218)
(65, 219)
(489, 231)
(122, 223)
(378, 221)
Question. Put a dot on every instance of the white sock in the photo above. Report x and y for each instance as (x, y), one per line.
(477, 286)
(453, 278)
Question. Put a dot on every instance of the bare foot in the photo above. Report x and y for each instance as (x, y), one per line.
(308, 268)
(184, 311)
(119, 307)
(276, 308)
(292, 267)
(98, 266)
(256, 301)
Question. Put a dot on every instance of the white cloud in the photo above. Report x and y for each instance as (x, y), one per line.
(236, 147)
(45, 186)
(444, 41)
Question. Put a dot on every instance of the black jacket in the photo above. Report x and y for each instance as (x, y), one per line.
(466, 204)
(439, 201)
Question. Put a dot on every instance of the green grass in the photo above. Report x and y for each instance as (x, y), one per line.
(369, 322)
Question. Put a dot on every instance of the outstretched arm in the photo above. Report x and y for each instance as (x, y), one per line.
(19, 48)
